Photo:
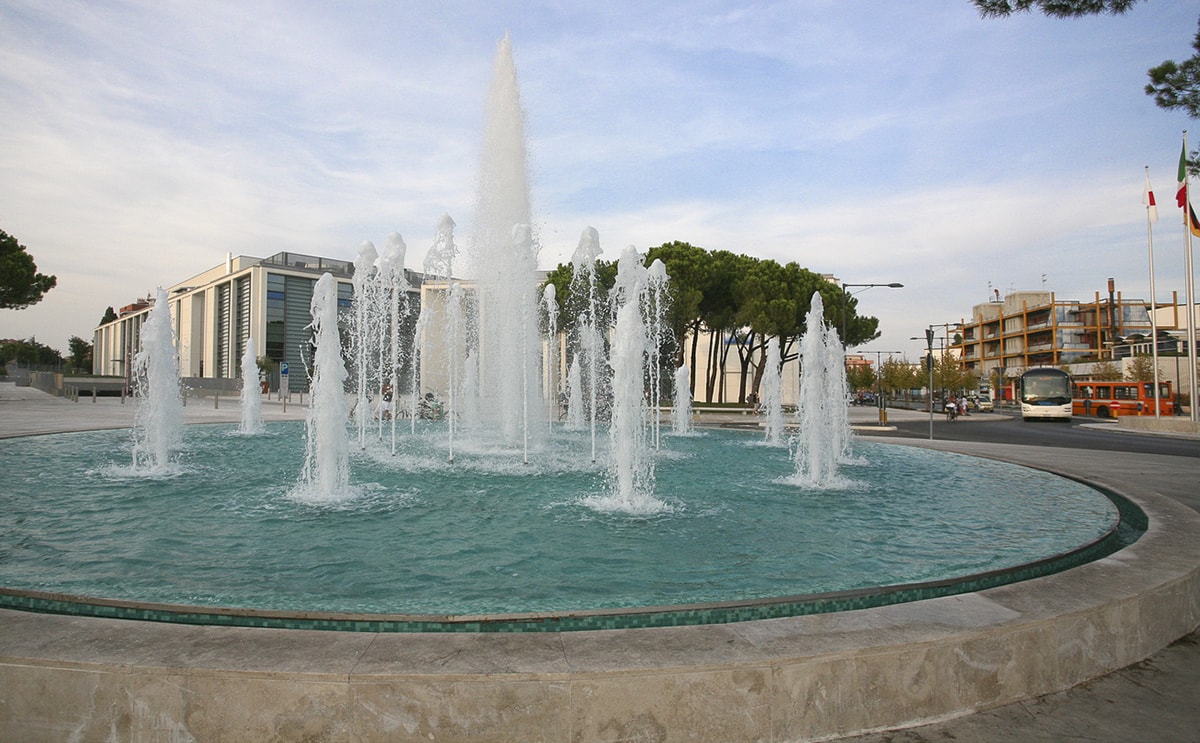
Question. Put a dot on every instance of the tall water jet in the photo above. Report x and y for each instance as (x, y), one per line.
(395, 287)
(158, 421)
(551, 373)
(588, 344)
(772, 398)
(326, 474)
(654, 301)
(681, 411)
(575, 417)
(824, 435)
(251, 396)
(505, 257)
(364, 333)
(441, 330)
(632, 465)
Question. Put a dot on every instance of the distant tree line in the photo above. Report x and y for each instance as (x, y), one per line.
(30, 354)
(736, 303)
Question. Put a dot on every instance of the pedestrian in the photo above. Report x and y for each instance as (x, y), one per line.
(385, 404)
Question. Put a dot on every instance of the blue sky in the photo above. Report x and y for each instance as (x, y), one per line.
(876, 141)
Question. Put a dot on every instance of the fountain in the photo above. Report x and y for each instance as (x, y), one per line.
(251, 395)
(505, 261)
(681, 410)
(523, 532)
(772, 397)
(326, 473)
(632, 467)
(615, 349)
(158, 422)
(589, 362)
(364, 332)
(391, 358)
(823, 439)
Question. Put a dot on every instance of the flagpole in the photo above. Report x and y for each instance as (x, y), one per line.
(1151, 215)
(1189, 285)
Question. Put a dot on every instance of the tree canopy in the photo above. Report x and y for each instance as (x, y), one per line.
(81, 354)
(20, 283)
(29, 353)
(739, 301)
(1055, 8)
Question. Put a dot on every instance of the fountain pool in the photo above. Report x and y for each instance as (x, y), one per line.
(490, 536)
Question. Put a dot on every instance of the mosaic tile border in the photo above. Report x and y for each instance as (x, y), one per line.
(1132, 523)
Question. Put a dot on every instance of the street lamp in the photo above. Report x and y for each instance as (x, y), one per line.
(880, 399)
(845, 294)
(929, 336)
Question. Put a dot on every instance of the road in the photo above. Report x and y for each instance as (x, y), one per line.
(1081, 433)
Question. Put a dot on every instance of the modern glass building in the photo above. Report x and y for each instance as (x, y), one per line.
(217, 311)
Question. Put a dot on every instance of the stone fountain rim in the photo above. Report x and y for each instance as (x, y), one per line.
(640, 617)
(810, 677)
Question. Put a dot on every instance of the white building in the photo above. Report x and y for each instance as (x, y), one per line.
(215, 312)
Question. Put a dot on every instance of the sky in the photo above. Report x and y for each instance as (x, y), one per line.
(143, 140)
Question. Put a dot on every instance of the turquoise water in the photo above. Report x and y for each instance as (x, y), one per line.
(491, 535)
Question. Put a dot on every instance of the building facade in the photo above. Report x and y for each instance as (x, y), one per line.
(1036, 328)
(217, 311)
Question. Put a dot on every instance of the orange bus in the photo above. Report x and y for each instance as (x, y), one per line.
(1114, 399)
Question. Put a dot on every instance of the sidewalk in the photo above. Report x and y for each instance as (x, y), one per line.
(25, 411)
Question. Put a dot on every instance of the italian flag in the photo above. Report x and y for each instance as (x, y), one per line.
(1181, 194)
(1148, 200)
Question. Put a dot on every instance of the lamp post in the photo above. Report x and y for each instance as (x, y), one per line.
(929, 335)
(880, 398)
(846, 294)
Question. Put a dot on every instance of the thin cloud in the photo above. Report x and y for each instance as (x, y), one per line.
(881, 142)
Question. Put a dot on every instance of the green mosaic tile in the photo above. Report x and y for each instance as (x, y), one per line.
(1132, 524)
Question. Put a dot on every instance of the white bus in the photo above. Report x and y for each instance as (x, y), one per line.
(1046, 394)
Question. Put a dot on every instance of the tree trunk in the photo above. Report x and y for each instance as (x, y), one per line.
(759, 372)
(695, 343)
(714, 351)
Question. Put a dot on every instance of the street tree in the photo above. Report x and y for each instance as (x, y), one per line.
(739, 301)
(81, 353)
(29, 353)
(860, 377)
(689, 269)
(900, 376)
(20, 283)
(1141, 369)
(1107, 371)
(948, 374)
(774, 301)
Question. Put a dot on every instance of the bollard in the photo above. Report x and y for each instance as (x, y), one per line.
(216, 400)
(94, 394)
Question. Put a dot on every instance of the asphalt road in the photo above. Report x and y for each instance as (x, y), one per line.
(1081, 433)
